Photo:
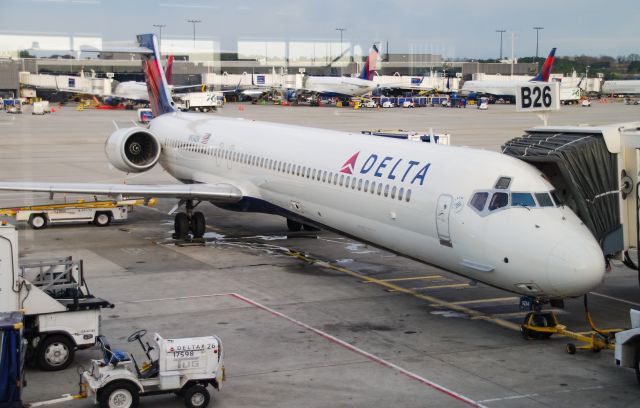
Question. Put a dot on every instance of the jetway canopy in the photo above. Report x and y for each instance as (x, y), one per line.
(585, 174)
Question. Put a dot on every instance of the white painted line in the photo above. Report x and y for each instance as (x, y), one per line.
(615, 298)
(115, 125)
(407, 373)
(327, 336)
(521, 396)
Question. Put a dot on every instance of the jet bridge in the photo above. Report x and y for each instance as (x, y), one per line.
(595, 170)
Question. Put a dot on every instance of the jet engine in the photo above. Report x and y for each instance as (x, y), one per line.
(133, 150)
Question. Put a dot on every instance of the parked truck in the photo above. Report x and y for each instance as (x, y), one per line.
(60, 314)
(199, 101)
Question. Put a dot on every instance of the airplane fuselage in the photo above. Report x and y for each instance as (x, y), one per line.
(347, 86)
(416, 199)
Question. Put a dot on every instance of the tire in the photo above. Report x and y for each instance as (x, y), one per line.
(198, 224)
(196, 396)
(294, 226)
(119, 394)
(571, 348)
(102, 219)
(38, 221)
(55, 353)
(181, 226)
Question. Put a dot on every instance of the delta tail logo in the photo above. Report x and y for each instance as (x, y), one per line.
(350, 165)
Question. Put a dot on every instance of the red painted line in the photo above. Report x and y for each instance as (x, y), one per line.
(363, 353)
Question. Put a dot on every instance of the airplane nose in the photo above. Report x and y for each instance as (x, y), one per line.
(574, 267)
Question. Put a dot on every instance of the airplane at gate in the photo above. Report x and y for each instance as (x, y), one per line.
(506, 88)
(480, 214)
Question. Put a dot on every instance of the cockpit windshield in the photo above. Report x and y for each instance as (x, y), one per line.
(486, 202)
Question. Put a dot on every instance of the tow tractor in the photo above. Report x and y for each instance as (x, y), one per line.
(182, 366)
(100, 213)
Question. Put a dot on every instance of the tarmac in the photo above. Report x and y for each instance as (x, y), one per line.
(312, 319)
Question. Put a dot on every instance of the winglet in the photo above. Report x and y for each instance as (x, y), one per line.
(545, 72)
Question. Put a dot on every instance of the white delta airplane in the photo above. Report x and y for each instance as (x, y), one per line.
(480, 214)
(506, 88)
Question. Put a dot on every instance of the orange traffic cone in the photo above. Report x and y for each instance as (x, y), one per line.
(241, 108)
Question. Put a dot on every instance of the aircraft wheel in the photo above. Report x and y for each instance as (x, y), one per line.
(198, 224)
(294, 226)
(181, 226)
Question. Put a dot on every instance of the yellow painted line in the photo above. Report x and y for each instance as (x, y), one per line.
(507, 315)
(478, 301)
(389, 285)
(451, 285)
(408, 279)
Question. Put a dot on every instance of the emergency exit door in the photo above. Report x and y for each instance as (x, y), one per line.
(443, 211)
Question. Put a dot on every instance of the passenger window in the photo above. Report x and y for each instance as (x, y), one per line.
(366, 186)
(503, 183)
(313, 175)
(373, 187)
(324, 176)
(359, 184)
(353, 183)
(386, 190)
(479, 200)
(335, 179)
(341, 179)
(393, 192)
(498, 200)
(308, 172)
(408, 197)
(522, 200)
(400, 193)
(379, 188)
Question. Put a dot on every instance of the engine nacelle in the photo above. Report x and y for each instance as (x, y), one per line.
(133, 150)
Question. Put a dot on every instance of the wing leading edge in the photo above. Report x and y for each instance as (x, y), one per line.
(216, 193)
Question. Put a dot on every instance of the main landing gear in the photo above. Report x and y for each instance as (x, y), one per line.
(189, 224)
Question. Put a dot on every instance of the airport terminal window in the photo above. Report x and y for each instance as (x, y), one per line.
(498, 200)
(479, 200)
(503, 183)
(522, 199)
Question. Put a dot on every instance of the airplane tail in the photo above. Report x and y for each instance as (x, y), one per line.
(543, 75)
(370, 64)
(157, 86)
(168, 72)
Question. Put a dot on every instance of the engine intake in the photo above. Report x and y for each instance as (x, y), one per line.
(133, 150)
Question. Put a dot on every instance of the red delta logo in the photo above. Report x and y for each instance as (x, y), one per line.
(389, 167)
(350, 165)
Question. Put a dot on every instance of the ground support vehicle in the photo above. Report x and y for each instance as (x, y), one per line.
(183, 366)
(60, 314)
(100, 213)
(627, 350)
(11, 360)
(200, 101)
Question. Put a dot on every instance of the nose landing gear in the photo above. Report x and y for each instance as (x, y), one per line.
(189, 224)
(542, 325)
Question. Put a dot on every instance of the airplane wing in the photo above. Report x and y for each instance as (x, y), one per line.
(217, 193)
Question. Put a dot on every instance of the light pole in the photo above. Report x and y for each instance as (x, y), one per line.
(160, 27)
(341, 31)
(501, 32)
(194, 22)
(537, 32)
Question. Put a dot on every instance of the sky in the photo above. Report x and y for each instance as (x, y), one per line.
(455, 29)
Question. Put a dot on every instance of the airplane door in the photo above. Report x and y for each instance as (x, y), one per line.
(443, 211)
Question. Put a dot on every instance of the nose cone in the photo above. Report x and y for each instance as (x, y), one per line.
(574, 267)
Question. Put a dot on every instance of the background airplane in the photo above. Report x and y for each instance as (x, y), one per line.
(480, 214)
(506, 88)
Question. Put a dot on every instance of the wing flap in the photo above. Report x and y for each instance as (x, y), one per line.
(218, 193)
